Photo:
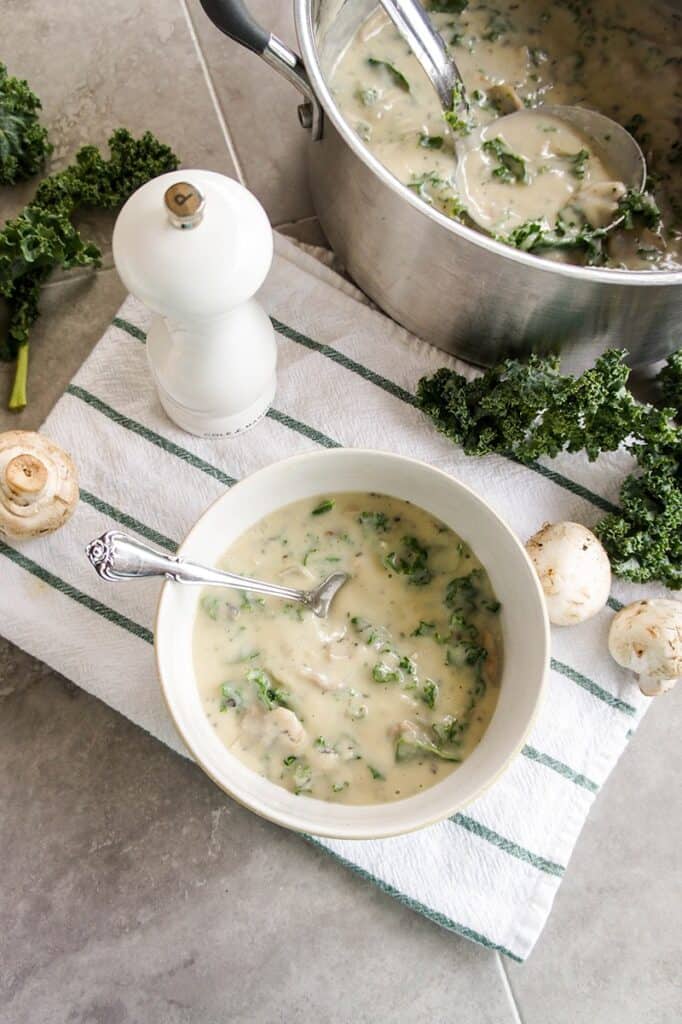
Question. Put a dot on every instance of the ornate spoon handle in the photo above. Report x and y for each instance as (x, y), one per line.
(117, 556)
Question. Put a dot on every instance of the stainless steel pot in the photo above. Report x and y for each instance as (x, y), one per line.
(446, 283)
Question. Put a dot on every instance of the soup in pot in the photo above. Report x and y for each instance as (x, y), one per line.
(388, 694)
(546, 189)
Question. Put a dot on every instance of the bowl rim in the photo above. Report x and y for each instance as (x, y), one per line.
(363, 832)
(323, 95)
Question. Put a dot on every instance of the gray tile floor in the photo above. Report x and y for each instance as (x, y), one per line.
(133, 890)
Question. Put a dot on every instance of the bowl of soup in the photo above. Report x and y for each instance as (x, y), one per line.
(408, 699)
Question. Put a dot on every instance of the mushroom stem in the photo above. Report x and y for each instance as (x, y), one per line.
(25, 477)
(652, 687)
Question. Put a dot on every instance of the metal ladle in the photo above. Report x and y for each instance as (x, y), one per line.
(620, 151)
(116, 556)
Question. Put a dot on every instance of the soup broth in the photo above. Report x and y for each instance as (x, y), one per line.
(389, 693)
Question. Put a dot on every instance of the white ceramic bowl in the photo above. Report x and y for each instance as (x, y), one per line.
(523, 617)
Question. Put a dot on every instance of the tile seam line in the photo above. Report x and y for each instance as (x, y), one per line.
(62, 586)
(597, 691)
(511, 995)
(213, 94)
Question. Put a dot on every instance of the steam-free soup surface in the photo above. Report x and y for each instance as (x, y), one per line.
(622, 59)
(387, 695)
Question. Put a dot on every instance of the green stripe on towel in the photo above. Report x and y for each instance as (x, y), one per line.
(562, 769)
(592, 687)
(405, 396)
(412, 904)
(507, 846)
(75, 594)
(126, 520)
(303, 429)
(149, 435)
(129, 328)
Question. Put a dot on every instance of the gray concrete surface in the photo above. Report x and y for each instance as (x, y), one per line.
(132, 889)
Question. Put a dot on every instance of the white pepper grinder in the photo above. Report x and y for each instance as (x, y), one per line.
(195, 247)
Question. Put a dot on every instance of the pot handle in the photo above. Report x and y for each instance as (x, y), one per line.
(233, 18)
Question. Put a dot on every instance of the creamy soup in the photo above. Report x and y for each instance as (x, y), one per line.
(533, 167)
(387, 695)
(547, 195)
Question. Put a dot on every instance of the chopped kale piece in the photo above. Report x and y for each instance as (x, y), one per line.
(231, 697)
(411, 561)
(383, 673)
(430, 141)
(397, 77)
(325, 506)
(511, 167)
(578, 163)
(269, 695)
(379, 521)
(429, 693)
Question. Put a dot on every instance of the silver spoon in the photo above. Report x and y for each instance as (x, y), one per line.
(117, 556)
(620, 151)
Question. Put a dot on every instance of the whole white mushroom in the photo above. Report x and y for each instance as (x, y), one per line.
(646, 637)
(38, 485)
(573, 569)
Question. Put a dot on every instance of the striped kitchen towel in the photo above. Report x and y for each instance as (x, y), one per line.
(347, 376)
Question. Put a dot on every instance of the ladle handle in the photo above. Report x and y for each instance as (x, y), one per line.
(414, 25)
(234, 19)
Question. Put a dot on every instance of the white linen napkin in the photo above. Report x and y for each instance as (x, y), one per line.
(346, 376)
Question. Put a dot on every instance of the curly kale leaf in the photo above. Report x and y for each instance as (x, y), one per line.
(511, 167)
(639, 208)
(42, 237)
(536, 236)
(491, 413)
(94, 181)
(528, 410)
(644, 539)
(24, 146)
(670, 379)
(31, 245)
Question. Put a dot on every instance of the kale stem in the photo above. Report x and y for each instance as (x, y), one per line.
(17, 399)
